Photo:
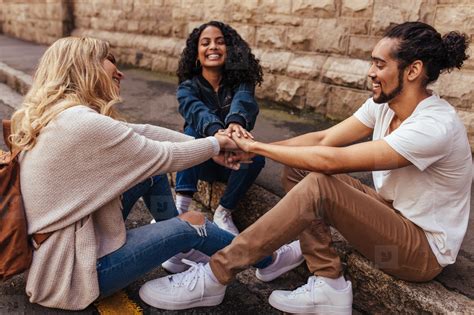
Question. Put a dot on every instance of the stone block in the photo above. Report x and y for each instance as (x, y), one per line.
(162, 45)
(359, 8)
(275, 6)
(361, 46)
(387, 13)
(132, 26)
(299, 38)
(268, 88)
(291, 92)
(468, 119)
(459, 17)
(360, 26)
(457, 88)
(469, 64)
(84, 22)
(158, 63)
(346, 72)
(317, 97)
(314, 8)
(279, 19)
(172, 64)
(273, 61)
(343, 102)
(247, 32)
(331, 36)
(179, 29)
(271, 36)
(306, 67)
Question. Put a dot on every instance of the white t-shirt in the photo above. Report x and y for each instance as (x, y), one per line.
(434, 192)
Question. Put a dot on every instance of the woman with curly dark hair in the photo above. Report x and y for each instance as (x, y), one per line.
(217, 75)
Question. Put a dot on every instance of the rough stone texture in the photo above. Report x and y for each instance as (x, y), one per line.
(457, 88)
(306, 47)
(314, 8)
(306, 67)
(42, 22)
(361, 46)
(468, 120)
(291, 92)
(346, 72)
(450, 18)
(342, 100)
(387, 13)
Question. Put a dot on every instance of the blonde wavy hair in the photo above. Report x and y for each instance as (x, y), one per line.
(70, 73)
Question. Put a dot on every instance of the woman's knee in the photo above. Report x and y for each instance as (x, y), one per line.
(193, 217)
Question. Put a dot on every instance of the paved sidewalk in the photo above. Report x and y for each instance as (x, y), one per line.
(150, 98)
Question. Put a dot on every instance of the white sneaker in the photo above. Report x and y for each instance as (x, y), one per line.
(223, 219)
(188, 289)
(175, 264)
(287, 257)
(315, 297)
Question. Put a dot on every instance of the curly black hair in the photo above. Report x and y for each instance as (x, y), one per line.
(420, 41)
(240, 66)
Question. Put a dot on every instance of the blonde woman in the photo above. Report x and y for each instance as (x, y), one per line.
(77, 161)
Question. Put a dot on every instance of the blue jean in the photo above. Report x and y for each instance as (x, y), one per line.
(238, 182)
(157, 195)
(147, 247)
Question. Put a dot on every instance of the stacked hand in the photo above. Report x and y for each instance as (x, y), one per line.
(231, 154)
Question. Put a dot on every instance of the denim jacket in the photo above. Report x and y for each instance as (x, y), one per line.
(207, 111)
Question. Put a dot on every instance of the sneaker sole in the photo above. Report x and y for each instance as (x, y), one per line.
(179, 305)
(276, 274)
(317, 309)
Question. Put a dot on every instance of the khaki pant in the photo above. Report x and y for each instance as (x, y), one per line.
(313, 203)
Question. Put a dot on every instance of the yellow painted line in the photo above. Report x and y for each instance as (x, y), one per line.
(118, 304)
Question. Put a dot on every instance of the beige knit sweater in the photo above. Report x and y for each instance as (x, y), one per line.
(71, 182)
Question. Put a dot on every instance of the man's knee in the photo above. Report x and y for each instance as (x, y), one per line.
(193, 217)
(292, 176)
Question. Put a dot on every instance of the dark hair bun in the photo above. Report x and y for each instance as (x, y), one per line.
(456, 45)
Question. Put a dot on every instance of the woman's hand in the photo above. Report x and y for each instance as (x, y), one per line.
(226, 143)
(223, 159)
(239, 130)
(245, 144)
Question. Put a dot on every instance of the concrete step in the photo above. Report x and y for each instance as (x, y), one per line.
(374, 290)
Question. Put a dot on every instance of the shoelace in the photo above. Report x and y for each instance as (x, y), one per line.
(308, 287)
(190, 277)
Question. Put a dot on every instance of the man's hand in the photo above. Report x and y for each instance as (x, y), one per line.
(226, 143)
(223, 159)
(238, 130)
(245, 144)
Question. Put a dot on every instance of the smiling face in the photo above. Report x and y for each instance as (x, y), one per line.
(212, 50)
(387, 79)
(110, 67)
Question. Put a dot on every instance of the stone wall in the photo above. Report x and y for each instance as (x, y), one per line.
(41, 21)
(315, 53)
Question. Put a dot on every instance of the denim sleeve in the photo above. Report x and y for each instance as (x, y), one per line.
(244, 107)
(195, 112)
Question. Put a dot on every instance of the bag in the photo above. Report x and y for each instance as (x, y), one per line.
(16, 250)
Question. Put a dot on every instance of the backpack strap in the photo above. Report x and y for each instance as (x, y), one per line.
(7, 131)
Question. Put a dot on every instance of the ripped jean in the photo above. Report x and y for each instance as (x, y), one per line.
(147, 247)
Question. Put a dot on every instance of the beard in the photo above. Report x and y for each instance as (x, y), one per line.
(385, 98)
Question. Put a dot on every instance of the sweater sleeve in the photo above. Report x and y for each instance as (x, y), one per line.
(84, 160)
(158, 133)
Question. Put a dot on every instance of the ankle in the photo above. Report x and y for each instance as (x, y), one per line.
(210, 273)
(338, 283)
(183, 202)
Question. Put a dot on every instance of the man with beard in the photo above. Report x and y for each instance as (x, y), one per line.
(411, 225)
